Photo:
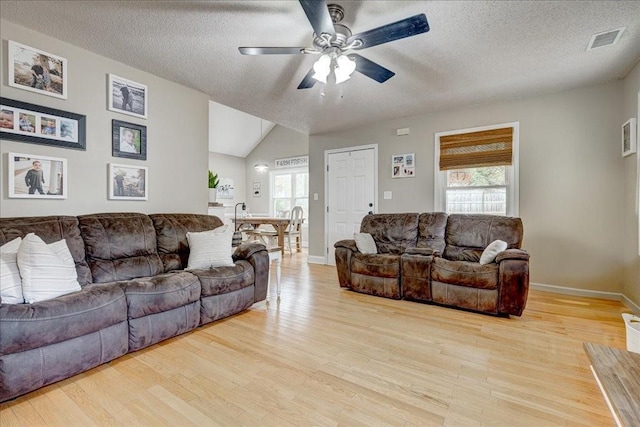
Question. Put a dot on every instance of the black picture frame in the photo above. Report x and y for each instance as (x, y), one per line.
(69, 130)
(136, 148)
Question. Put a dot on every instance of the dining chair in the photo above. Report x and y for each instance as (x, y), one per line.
(295, 228)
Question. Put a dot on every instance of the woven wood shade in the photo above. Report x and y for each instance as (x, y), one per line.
(476, 149)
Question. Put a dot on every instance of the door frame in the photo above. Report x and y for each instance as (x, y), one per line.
(326, 185)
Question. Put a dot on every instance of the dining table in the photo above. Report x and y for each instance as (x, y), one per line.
(280, 225)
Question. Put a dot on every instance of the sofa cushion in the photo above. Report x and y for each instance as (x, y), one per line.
(379, 265)
(464, 273)
(50, 229)
(171, 232)
(27, 326)
(222, 280)
(210, 248)
(431, 231)
(47, 271)
(468, 235)
(490, 252)
(120, 246)
(393, 233)
(150, 295)
(365, 243)
(10, 281)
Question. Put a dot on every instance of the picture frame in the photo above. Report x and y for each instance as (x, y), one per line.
(129, 140)
(629, 143)
(128, 182)
(32, 176)
(37, 71)
(35, 124)
(403, 165)
(226, 190)
(257, 189)
(127, 97)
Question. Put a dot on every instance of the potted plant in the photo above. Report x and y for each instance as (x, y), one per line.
(213, 185)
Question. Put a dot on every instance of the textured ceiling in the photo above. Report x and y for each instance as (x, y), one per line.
(476, 52)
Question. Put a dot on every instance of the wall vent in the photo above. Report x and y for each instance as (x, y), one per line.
(607, 38)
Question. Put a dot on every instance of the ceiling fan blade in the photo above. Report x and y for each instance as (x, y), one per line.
(308, 81)
(387, 33)
(318, 15)
(371, 69)
(271, 50)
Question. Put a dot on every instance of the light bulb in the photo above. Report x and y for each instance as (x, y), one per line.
(322, 68)
(345, 68)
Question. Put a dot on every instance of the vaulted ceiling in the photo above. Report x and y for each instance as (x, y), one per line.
(476, 51)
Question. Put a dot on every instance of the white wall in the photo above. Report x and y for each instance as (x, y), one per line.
(629, 248)
(177, 136)
(571, 178)
(230, 167)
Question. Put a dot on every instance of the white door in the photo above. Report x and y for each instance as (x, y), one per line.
(351, 194)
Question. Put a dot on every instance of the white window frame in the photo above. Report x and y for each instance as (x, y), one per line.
(512, 172)
(272, 181)
(272, 213)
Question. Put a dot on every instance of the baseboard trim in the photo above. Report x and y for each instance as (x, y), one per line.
(632, 305)
(587, 293)
(311, 259)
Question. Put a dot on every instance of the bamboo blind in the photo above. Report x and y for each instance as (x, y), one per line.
(476, 149)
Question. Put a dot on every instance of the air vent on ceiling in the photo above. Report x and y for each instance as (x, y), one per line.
(607, 38)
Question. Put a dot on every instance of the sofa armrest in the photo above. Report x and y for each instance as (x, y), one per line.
(421, 251)
(514, 285)
(246, 250)
(256, 254)
(512, 254)
(347, 244)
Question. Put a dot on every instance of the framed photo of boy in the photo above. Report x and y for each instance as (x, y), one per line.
(129, 140)
(127, 97)
(629, 137)
(20, 121)
(128, 182)
(32, 176)
(36, 70)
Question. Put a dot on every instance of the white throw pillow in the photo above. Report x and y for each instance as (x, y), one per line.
(47, 271)
(490, 252)
(365, 243)
(210, 248)
(10, 281)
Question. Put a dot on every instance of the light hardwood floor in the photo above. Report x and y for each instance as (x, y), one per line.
(326, 356)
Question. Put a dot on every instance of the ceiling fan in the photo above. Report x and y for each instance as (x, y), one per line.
(335, 43)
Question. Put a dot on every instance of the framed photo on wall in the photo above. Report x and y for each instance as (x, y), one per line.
(403, 165)
(629, 137)
(36, 70)
(129, 140)
(128, 182)
(20, 121)
(32, 176)
(127, 97)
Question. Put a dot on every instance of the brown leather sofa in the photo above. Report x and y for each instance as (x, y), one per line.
(135, 293)
(434, 257)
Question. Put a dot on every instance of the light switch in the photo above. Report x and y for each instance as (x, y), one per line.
(387, 195)
(315, 196)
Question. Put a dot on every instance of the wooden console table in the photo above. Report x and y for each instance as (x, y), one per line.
(618, 375)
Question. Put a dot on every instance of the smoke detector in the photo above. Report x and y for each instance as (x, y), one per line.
(607, 38)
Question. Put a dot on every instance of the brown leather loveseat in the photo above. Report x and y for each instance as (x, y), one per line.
(434, 257)
(134, 293)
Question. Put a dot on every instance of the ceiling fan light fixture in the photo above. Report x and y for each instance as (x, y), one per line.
(322, 68)
(344, 68)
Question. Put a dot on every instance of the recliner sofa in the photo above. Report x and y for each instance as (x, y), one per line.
(434, 258)
(135, 293)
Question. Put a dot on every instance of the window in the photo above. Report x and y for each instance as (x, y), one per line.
(476, 170)
(290, 188)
